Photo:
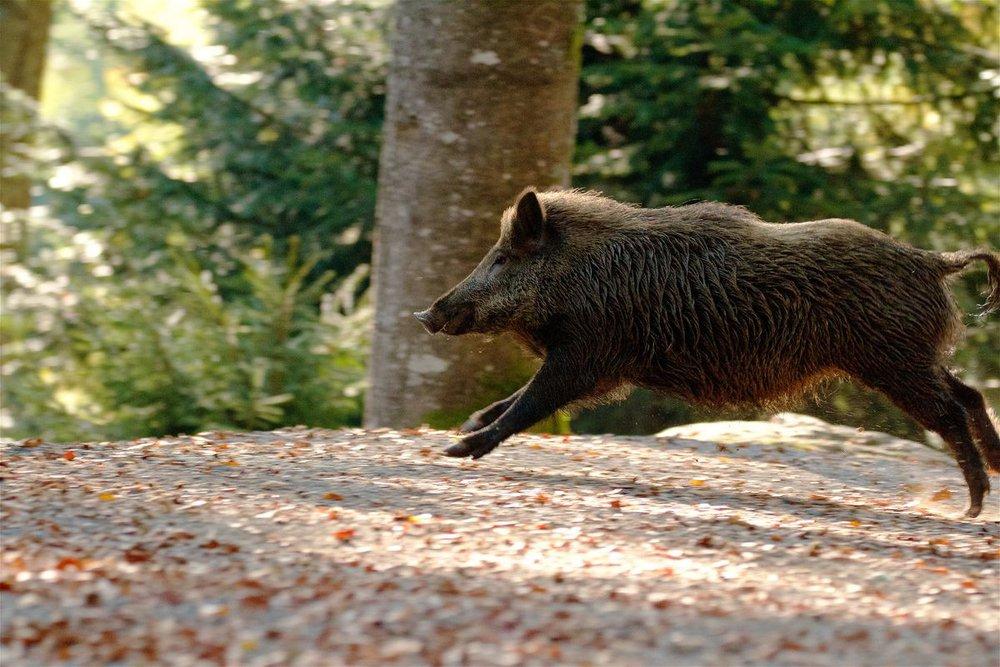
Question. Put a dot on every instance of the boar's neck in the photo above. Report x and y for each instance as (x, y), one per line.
(530, 341)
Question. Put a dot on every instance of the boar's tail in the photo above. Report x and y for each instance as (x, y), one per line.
(956, 261)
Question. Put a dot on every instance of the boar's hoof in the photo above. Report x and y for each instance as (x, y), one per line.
(476, 445)
(458, 450)
(471, 424)
(979, 487)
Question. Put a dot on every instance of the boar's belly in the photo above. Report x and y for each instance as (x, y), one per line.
(737, 384)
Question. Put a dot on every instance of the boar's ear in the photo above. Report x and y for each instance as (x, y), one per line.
(528, 227)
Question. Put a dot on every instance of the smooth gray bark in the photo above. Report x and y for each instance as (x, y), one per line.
(481, 103)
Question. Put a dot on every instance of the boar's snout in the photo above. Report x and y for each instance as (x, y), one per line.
(431, 323)
(449, 314)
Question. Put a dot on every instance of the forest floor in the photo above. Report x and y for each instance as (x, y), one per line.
(350, 547)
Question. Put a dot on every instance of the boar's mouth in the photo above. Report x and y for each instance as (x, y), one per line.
(460, 324)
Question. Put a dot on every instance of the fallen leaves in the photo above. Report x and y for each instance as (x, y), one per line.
(619, 553)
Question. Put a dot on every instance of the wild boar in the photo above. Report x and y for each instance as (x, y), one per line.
(711, 303)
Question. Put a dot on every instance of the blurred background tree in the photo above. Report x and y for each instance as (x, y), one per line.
(205, 175)
(481, 101)
(26, 25)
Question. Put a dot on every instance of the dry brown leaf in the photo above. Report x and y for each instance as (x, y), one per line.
(136, 555)
(69, 562)
(259, 601)
(942, 494)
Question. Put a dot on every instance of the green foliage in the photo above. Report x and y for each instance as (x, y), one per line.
(202, 267)
(273, 130)
(100, 352)
(879, 111)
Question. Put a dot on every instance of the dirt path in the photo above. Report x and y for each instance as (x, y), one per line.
(353, 547)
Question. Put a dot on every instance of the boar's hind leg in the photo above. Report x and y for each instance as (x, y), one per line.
(482, 418)
(979, 421)
(929, 399)
(557, 383)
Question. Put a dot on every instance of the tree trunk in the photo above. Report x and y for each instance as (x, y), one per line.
(481, 103)
(22, 63)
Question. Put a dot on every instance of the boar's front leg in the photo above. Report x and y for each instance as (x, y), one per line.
(482, 418)
(557, 383)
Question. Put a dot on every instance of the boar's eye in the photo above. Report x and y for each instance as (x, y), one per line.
(497, 264)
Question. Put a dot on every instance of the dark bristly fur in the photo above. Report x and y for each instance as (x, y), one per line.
(713, 304)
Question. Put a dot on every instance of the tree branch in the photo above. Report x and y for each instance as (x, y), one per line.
(878, 102)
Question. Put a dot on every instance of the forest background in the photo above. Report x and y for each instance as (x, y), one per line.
(203, 176)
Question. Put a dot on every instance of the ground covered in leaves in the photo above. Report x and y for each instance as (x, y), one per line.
(353, 547)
